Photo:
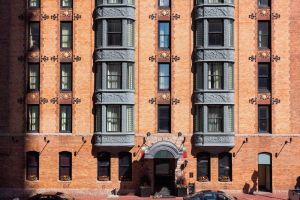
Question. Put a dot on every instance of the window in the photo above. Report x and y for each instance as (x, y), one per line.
(32, 165)
(199, 119)
(225, 167)
(113, 118)
(34, 35)
(99, 33)
(130, 28)
(199, 76)
(203, 167)
(114, 75)
(130, 2)
(34, 77)
(215, 119)
(164, 3)
(114, 1)
(66, 35)
(264, 34)
(230, 119)
(164, 34)
(231, 33)
(264, 77)
(164, 121)
(264, 3)
(215, 76)
(66, 3)
(33, 118)
(103, 166)
(215, 32)
(65, 166)
(33, 3)
(130, 118)
(66, 76)
(264, 116)
(98, 118)
(98, 76)
(164, 76)
(114, 32)
(215, 1)
(230, 72)
(65, 119)
(199, 33)
(130, 76)
(125, 168)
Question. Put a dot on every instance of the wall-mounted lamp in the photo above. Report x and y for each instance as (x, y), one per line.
(179, 134)
(245, 141)
(285, 143)
(83, 142)
(148, 134)
(45, 139)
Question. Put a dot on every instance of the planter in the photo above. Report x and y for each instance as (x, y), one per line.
(181, 191)
(144, 191)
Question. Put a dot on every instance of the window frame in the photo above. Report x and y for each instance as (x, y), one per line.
(36, 166)
(31, 35)
(209, 33)
(267, 119)
(37, 65)
(211, 78)
(220, 157)
(69, 155)
(107, 156)
(261, 36)
(37, 119)
(163, 6)
(221, 108)
(61, 4)
(126, 166)
(98, 111)
(267, 77)
(163, 77)
(119, 118)
(119, 76)
(69, 36)
(68, 119)
(159, 117)
(109, 33)
(206, 157)
(164, 35)
(69, 77)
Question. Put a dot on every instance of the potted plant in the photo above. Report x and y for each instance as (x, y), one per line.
(145, 186)
(181, 187)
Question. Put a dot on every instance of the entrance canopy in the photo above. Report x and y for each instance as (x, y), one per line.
(163, 149)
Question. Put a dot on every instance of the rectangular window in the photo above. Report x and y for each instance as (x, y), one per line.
(66, 35)
(164, 3)
(98, 118)
(225, 167)
(33, 3)
(264, 34)
(164, 76)
(264, 3)
(264, 116)
(103, 166)
(130, 28)
(65, 119)
(99, 76)
(231, 33)
(114, 1)
(264, 77)
(203, 167)
(66, 3)
(99, 33)
(199, 119)
(230, 117)
(215, 76)
(130, 2)
(130, 76)
(164, 34)
(113, 118)
(215, 119)
(130, 118)
(34, 35)
(199, 33)
(125, 167)
(66, 76)
(114, 32)
(199, 76)
(114, 75)
(33, 77)
(215, 1)
(230, 72)
(215, 32)
(32, 166)
(33, 118)
(164, 118)
(65, 166)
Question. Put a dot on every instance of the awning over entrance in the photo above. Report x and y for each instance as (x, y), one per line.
(163, 149)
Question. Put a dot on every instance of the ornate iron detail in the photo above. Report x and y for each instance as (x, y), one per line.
(54, 100)
(76, 58)
(209, 55)
(175, 58)
(275, 58)
(175, 101)
(21, 100)
(114, 98)
(112, 55)
(152, 100)
(44, 16)
(252, 16)
(152, 16)
(76, 16)
(54, 17)
(152, 58)
(275, 101)
(44, 58)
(175, 16)
(253, 100)
(54, 58)
(214, 98)
(76, 100)
(43, 100)
(252, 58)
(275, 16)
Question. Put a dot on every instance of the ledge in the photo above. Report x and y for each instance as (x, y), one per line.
(109, 97)
(214, 97)
(114, 139)
(120, 12)
(214, 139)
(122, 55)
(214, 11)
(214, 55)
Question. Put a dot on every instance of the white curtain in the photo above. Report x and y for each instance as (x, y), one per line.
(113, 118)
(114, 76)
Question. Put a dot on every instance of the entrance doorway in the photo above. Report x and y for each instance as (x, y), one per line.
(265, 172)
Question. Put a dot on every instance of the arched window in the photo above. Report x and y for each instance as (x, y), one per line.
(203, 167)
(225, 167)
(125, 166)
(32, 165)
(103, 166)
(65, 166)
(265, 172)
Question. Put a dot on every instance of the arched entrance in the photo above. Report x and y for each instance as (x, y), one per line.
(265, 172)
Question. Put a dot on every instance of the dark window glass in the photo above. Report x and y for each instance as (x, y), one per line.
(264, 77)
(215, 1)
(98, 118)
(65, 166)
(33, 3)
(199, 76)
(99, 33)
(33, 118)
(114, 32)
(264, 3)
(66, 3)
(33, 76)
(114, 1)
(103, 166)
(225, 167)
(215, 76)
(215, 32)
(32, 166)
(164, 121)
(66, 35)
(198, 2)
(264, 35)
(199, 119)
(66, 76)
(203, 167)
(264, 116)
(34, 35)
(125, 167)
(215, 119)
(199, 33)
(113, 118)
(98, 79)
(114, 75)
(65, 119)
(164, 3)
(164, 34)
(164, 76)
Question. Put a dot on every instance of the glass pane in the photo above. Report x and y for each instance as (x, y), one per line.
(114, 75)
(66, 3)
(264, 3)
(203, 167)
(263, 34)
(164, 32)
(130, 118)
(114, 32)
(113, 118)
(65, 118)
(99, 33)
(66, 35)
(99, 76)
(215, 1)
(230, 118)
(164, 3)
(225, 166)
(98, 118)
(114, 1)
(130, 26)
(65, 159)
(130, 78)
(66, 76)
(215, 75)
(230, 76)
(199, 76)
(131, 2)
(199, 119)
(33, 118)
(164, 118)
(34, 3)
(231, 33)
(34, 77)
(215, 32)
(199, 33)
(215, 119)
(164, 76)
(34, 35)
